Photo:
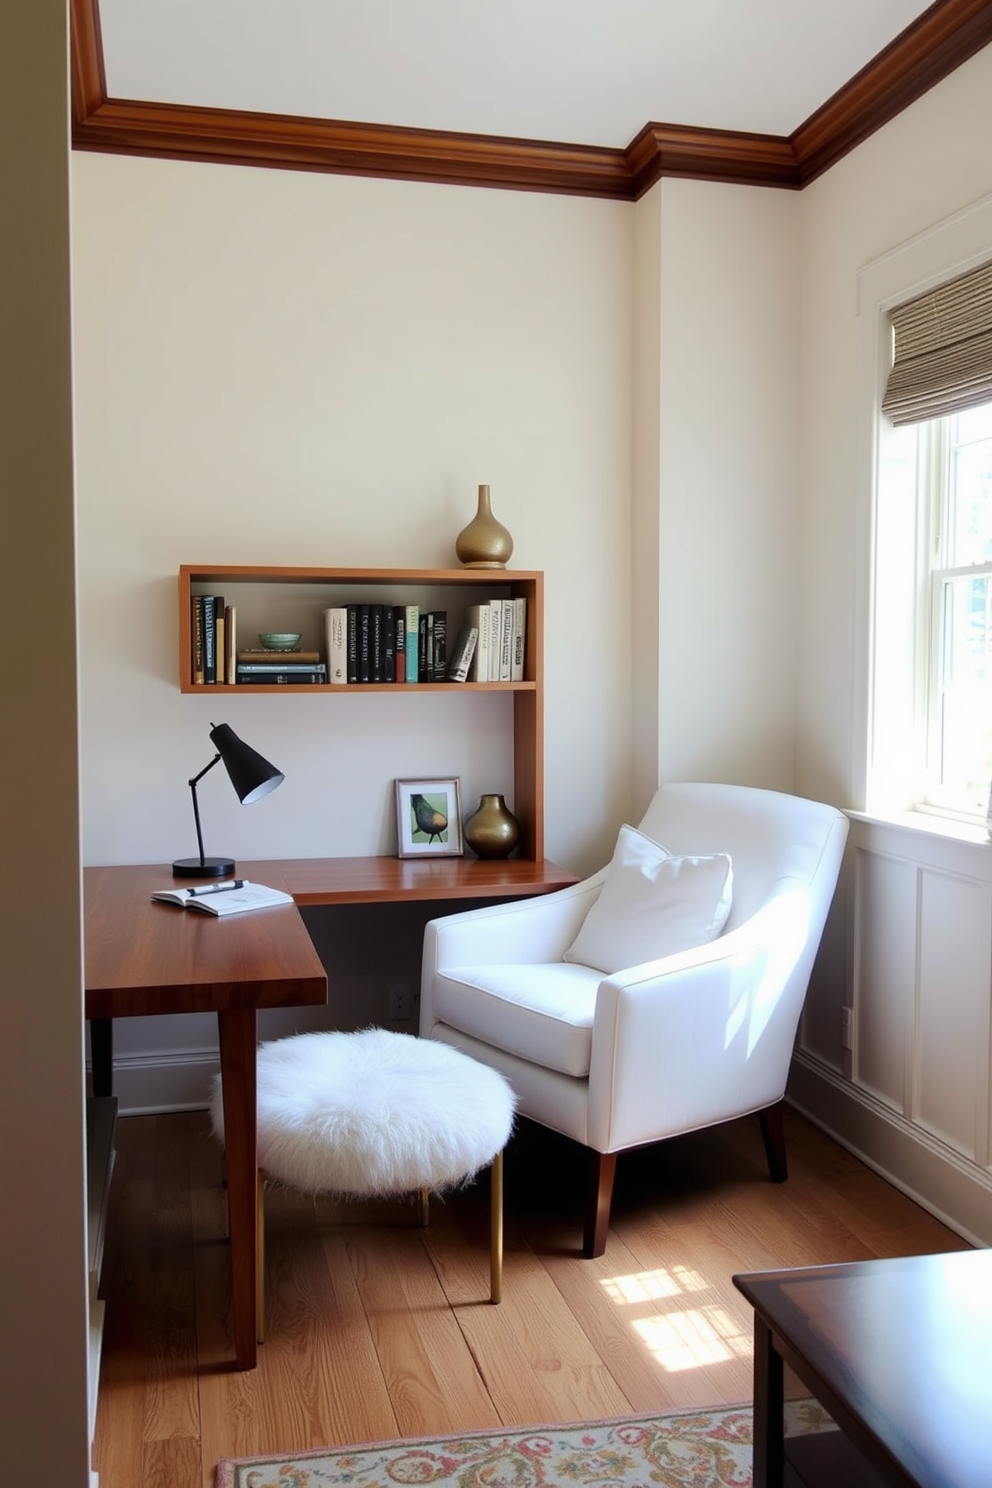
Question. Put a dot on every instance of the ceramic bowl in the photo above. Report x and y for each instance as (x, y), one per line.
(274, 640)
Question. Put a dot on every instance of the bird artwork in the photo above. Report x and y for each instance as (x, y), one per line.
(429, 820)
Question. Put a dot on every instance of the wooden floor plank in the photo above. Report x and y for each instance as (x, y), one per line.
(378, 1330)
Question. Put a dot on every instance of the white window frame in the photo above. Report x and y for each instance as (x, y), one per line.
(891, 667)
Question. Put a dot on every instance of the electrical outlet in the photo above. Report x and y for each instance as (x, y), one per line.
(847, 1028)
(400, 1004)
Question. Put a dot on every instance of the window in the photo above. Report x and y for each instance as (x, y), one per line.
(924, 662)
(956, 467)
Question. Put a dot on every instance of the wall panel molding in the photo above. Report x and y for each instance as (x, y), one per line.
(937, 43)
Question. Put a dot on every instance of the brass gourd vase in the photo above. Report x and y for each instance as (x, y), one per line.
(485, 542)
(492, 831)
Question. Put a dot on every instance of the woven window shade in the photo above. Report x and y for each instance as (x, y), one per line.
(943, 350)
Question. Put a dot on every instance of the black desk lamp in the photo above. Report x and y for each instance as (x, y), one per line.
(252, 777)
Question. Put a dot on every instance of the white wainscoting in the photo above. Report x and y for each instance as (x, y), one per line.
(908, 949)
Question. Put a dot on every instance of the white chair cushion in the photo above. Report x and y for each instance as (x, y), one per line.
(652, 905)
(543, 1013)
(374, 1113)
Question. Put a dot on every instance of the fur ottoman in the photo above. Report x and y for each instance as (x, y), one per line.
(376, 1113)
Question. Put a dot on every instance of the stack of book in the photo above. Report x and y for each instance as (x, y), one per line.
(213, 633)
(383, 643)
(267, 667)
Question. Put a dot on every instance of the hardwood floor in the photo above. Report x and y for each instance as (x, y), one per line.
(378, 1329)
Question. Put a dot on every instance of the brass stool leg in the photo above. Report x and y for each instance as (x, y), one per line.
(496, 1228)
(260, 1267)
(425, 1208)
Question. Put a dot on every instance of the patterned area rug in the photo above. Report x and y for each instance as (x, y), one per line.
(690, 1449)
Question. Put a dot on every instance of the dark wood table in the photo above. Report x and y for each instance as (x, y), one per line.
(899, 1352)
(144, 957)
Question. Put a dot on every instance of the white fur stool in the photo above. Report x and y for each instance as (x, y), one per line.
(377, 1113)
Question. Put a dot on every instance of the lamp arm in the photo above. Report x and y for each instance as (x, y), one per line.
(196, 809)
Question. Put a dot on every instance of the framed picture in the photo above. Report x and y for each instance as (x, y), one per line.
(429, 818)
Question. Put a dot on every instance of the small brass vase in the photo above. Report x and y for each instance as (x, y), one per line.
(492, 831)
(484, 543)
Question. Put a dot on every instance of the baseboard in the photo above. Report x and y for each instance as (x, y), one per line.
(956, 1192)
(155, 1083)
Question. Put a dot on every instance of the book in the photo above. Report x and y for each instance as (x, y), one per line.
(479, 616)
(495, 637)
(227, 896)
(506, 641)
(196, 629)
(230, 642)
(364, 644)
(351, 640)
(377, 645)
(262, 654)
(388, 643)
(519, 639)
(221, 645)
(425, 664)
(462, 653)
(411, 619)
(211, 604)
(399, 619)
(267, 674)
(335, 626)
(272, 676)
(439, 644)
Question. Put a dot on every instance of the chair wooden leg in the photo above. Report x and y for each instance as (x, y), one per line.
(602, 1169)
(496, 1228)
(260, 1253)
(773, 1135)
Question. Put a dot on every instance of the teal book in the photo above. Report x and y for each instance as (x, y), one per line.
(412, 630)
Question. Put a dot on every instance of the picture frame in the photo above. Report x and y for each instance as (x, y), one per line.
(420, 807)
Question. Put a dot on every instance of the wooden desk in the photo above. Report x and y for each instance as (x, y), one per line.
(149, 958)
(899, 1352)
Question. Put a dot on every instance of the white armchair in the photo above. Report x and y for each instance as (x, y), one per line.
(668, 1046)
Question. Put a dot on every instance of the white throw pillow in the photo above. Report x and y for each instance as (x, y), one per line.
(652, 904)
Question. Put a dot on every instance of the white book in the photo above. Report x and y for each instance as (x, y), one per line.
(519, 639)
(479, 616)
(506, 641)
(227, 896)
(336, 644)
(495, 638)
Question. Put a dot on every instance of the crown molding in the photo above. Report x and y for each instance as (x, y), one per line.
(937, 43)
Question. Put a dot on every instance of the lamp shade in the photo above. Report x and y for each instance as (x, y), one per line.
(251, 775)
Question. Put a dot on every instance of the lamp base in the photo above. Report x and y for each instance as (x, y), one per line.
(205, 868)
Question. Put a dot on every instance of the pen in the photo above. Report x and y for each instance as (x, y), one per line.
(236, 883)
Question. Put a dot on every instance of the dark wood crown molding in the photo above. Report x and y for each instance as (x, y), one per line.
(937, 43)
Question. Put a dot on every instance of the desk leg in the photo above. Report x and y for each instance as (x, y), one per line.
(102, 1055)
(769, 1403)
(237, 1067)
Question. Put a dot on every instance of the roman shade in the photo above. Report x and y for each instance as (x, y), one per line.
(942, 359)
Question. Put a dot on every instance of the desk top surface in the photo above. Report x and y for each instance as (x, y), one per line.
(905, 1344)
(144, 957)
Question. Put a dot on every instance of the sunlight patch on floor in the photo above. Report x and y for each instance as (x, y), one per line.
(678, 1337)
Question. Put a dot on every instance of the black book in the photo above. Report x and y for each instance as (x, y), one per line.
(364, 644)
(388, 643)
(213, 605)
(440, 643)
(399, 621)
(351, 641)
(424, 670)
(377, 664)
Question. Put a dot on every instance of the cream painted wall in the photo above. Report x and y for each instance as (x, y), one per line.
(44, 1423)
(279, 367)
(927, 164)
(727, 520)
